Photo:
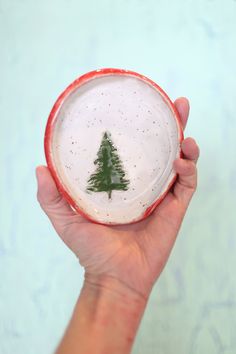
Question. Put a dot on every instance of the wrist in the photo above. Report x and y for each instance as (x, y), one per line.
(115, 311)
(113, 287)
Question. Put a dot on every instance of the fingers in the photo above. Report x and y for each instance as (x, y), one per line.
(186, 166)
(187, 172)
(182, 105)
(190, 149)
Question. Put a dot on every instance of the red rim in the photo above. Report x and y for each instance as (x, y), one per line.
(53, 115)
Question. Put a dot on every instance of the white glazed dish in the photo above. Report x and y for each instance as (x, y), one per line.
(110, 142)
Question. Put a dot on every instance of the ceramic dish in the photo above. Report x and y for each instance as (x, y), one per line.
(110, 142)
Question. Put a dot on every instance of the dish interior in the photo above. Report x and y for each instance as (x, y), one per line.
(114, 140)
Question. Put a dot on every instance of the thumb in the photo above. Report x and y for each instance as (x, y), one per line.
(52, 202)
(48, 194)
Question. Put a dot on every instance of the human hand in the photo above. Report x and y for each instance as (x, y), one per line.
(132, 255)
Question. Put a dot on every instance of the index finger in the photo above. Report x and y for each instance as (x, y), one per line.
(182, 105)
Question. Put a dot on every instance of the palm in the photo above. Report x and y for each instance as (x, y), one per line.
(134, 254)
(127, 252)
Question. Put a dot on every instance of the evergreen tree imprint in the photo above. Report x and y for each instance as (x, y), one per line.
(109, 174)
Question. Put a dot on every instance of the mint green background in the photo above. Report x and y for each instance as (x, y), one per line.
(188, 48)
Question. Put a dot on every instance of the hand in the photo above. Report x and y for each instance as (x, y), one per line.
(133, 255)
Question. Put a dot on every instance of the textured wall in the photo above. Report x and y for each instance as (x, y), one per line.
(188, 47)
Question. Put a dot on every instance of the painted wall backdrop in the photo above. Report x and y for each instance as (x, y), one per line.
(188, 48)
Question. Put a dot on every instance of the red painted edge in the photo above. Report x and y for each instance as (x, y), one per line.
(52, 118)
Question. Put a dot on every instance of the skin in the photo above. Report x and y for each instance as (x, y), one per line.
(121, 263)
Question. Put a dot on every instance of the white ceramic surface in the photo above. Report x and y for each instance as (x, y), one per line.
(144, 131)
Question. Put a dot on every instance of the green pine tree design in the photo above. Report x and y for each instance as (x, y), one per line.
(109, 174)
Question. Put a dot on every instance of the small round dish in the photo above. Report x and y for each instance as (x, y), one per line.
(110, 142)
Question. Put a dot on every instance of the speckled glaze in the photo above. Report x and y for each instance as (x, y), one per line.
(145, 130)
